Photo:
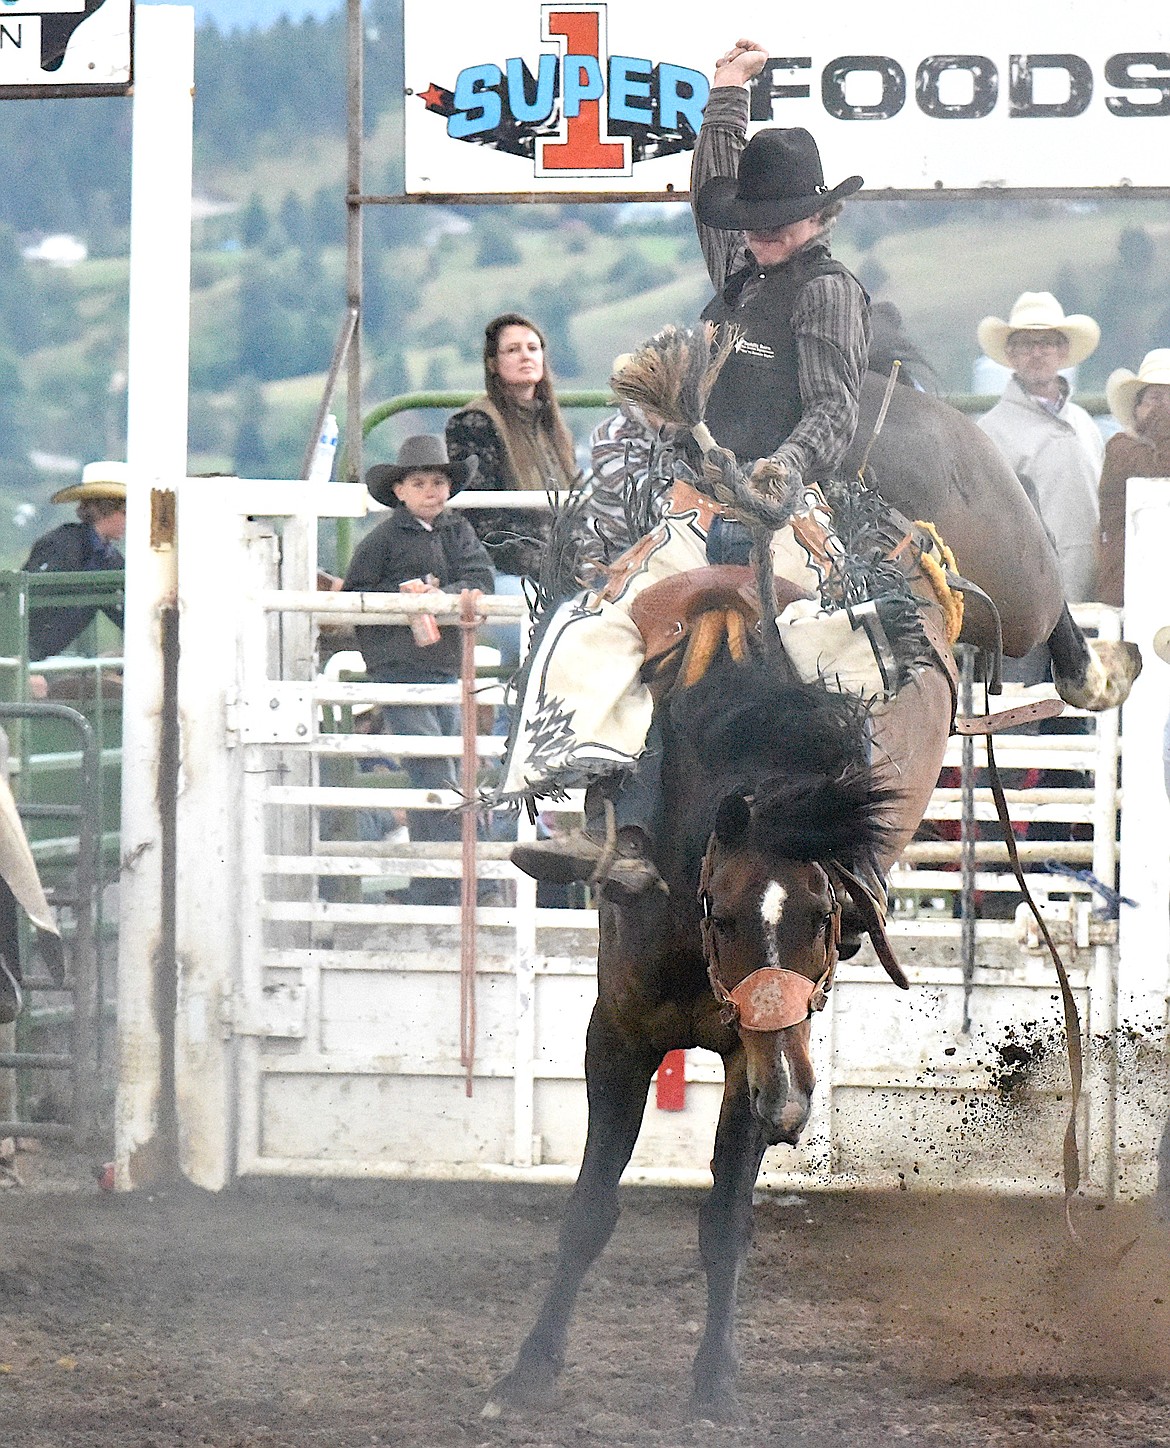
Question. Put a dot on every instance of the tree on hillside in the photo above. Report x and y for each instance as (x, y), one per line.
(553, 309)
(497, 246)
(19, 321)
(294, 221)
(249, 450)
(55, 155)
(13, 435)
(254, 223)
(327, 216)
(1131, 305)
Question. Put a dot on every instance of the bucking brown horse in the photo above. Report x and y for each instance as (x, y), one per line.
(780, 801)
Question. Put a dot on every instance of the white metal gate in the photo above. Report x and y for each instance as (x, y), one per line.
(318, 1028)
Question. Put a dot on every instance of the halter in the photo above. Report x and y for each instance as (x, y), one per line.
(771, 998)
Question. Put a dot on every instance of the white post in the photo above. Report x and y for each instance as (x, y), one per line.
(159, 327)
(1143, 975)
(225, 558)
(230, 553)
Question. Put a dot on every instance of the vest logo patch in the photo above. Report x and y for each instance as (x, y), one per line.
(754, 349)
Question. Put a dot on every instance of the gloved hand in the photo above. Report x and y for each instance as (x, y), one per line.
(771, 479)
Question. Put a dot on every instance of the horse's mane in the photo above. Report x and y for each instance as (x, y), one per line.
(800, 750)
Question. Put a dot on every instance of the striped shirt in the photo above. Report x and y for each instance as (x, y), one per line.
(830, 320)
(624, 449)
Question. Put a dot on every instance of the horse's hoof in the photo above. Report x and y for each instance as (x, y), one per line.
(714, 1406)
(1113, 667)
(528, 1385)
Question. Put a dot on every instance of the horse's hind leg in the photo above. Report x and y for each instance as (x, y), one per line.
(1092, 675)
(617, 1077)
(725, 1232)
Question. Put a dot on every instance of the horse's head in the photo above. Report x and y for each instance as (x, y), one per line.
(772, 926)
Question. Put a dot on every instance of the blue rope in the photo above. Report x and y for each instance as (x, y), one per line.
(1113, 899)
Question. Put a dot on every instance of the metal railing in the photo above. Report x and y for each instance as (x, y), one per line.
(80, 898)
(927, 885)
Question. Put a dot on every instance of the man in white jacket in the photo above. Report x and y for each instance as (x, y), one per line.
(1054, 446)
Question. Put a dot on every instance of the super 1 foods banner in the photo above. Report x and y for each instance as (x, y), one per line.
(518, 97)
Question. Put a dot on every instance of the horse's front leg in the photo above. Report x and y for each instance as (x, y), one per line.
(617, 1078)
(725, 1232)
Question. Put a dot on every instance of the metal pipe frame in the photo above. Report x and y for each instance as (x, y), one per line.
(83, 1053)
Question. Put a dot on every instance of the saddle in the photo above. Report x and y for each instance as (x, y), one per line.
(696, 610)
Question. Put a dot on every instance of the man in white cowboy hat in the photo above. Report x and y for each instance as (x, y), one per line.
(790, 389)
(1053, 446)
(82, 547)
(1140, 401)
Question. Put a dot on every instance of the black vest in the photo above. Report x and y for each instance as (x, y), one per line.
(755, 402)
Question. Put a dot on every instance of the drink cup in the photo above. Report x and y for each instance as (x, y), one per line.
(424, 630)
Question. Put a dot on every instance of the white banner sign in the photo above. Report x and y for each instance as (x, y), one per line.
(65, 47)
(525, 97)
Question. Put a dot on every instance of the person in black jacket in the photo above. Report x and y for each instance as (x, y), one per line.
(82, 547)
(423, 545)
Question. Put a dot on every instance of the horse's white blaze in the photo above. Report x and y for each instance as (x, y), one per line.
(771, 910)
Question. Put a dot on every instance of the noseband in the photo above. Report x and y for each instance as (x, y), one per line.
(771, 998)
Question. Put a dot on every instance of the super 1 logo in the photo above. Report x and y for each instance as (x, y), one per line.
(584, 112)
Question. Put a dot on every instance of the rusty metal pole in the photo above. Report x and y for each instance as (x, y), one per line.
(355, 107)
(967, 833)
(469, 883)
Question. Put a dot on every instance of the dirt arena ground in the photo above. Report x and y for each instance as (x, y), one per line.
(345, 1315)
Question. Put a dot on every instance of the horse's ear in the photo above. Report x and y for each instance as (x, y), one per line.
(731, 823)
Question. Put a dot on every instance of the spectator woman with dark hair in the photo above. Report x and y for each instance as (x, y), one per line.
(519, 436)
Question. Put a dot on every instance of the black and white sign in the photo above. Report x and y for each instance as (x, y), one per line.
(65, 47)
(526, 96)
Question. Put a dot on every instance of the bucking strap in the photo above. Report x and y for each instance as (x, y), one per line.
(1009, 718)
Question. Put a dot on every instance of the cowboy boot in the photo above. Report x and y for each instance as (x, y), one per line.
(599, 854)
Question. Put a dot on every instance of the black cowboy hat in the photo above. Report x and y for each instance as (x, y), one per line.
(780, 181)
(423, 453)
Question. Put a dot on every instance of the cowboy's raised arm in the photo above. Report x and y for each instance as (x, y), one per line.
(717, 151)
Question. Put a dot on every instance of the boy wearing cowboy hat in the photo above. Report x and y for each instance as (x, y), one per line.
(790, 389)
(82, 547)
(1140, 401)
(1053, 446)
(422, 545)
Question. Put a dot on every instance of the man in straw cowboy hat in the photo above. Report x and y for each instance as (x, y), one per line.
(1140, 401)
(1053, 446)
(82, 547)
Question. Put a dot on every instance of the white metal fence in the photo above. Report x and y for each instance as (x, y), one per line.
(320, 1034)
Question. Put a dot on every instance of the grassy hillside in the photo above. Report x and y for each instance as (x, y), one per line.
(268, 270)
